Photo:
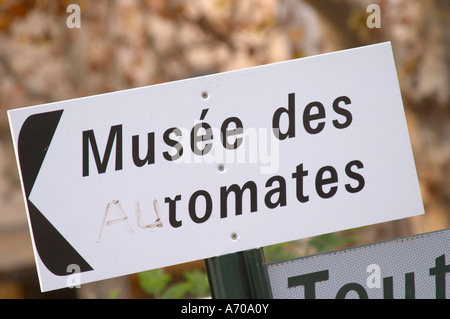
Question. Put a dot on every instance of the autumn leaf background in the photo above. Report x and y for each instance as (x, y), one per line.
(126, 44)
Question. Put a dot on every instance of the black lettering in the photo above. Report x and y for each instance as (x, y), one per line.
(298, 175)
(439, 272)
(238, 193)
(193, 207)
(342, 293)
(281, 191)
(355, 176)
(172, 211)
(341, 111)
(308, 117)
(150, 157)
(196, 137)
(309, 281)
(321, 181)
(290, 111)
(225, 133)
(115, 134)
(410, 287)
(388, 288)
(173, 143)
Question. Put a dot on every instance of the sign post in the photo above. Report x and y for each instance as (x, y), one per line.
(151, 177)
(240, 275)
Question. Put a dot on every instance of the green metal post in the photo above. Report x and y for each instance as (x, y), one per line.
(240, 275)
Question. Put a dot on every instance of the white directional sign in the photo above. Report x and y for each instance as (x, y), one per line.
(415, 267)
(144, 178)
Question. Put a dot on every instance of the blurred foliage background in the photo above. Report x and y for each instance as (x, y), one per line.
(125, 44)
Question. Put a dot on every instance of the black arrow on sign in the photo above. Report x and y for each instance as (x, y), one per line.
(34, 140)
